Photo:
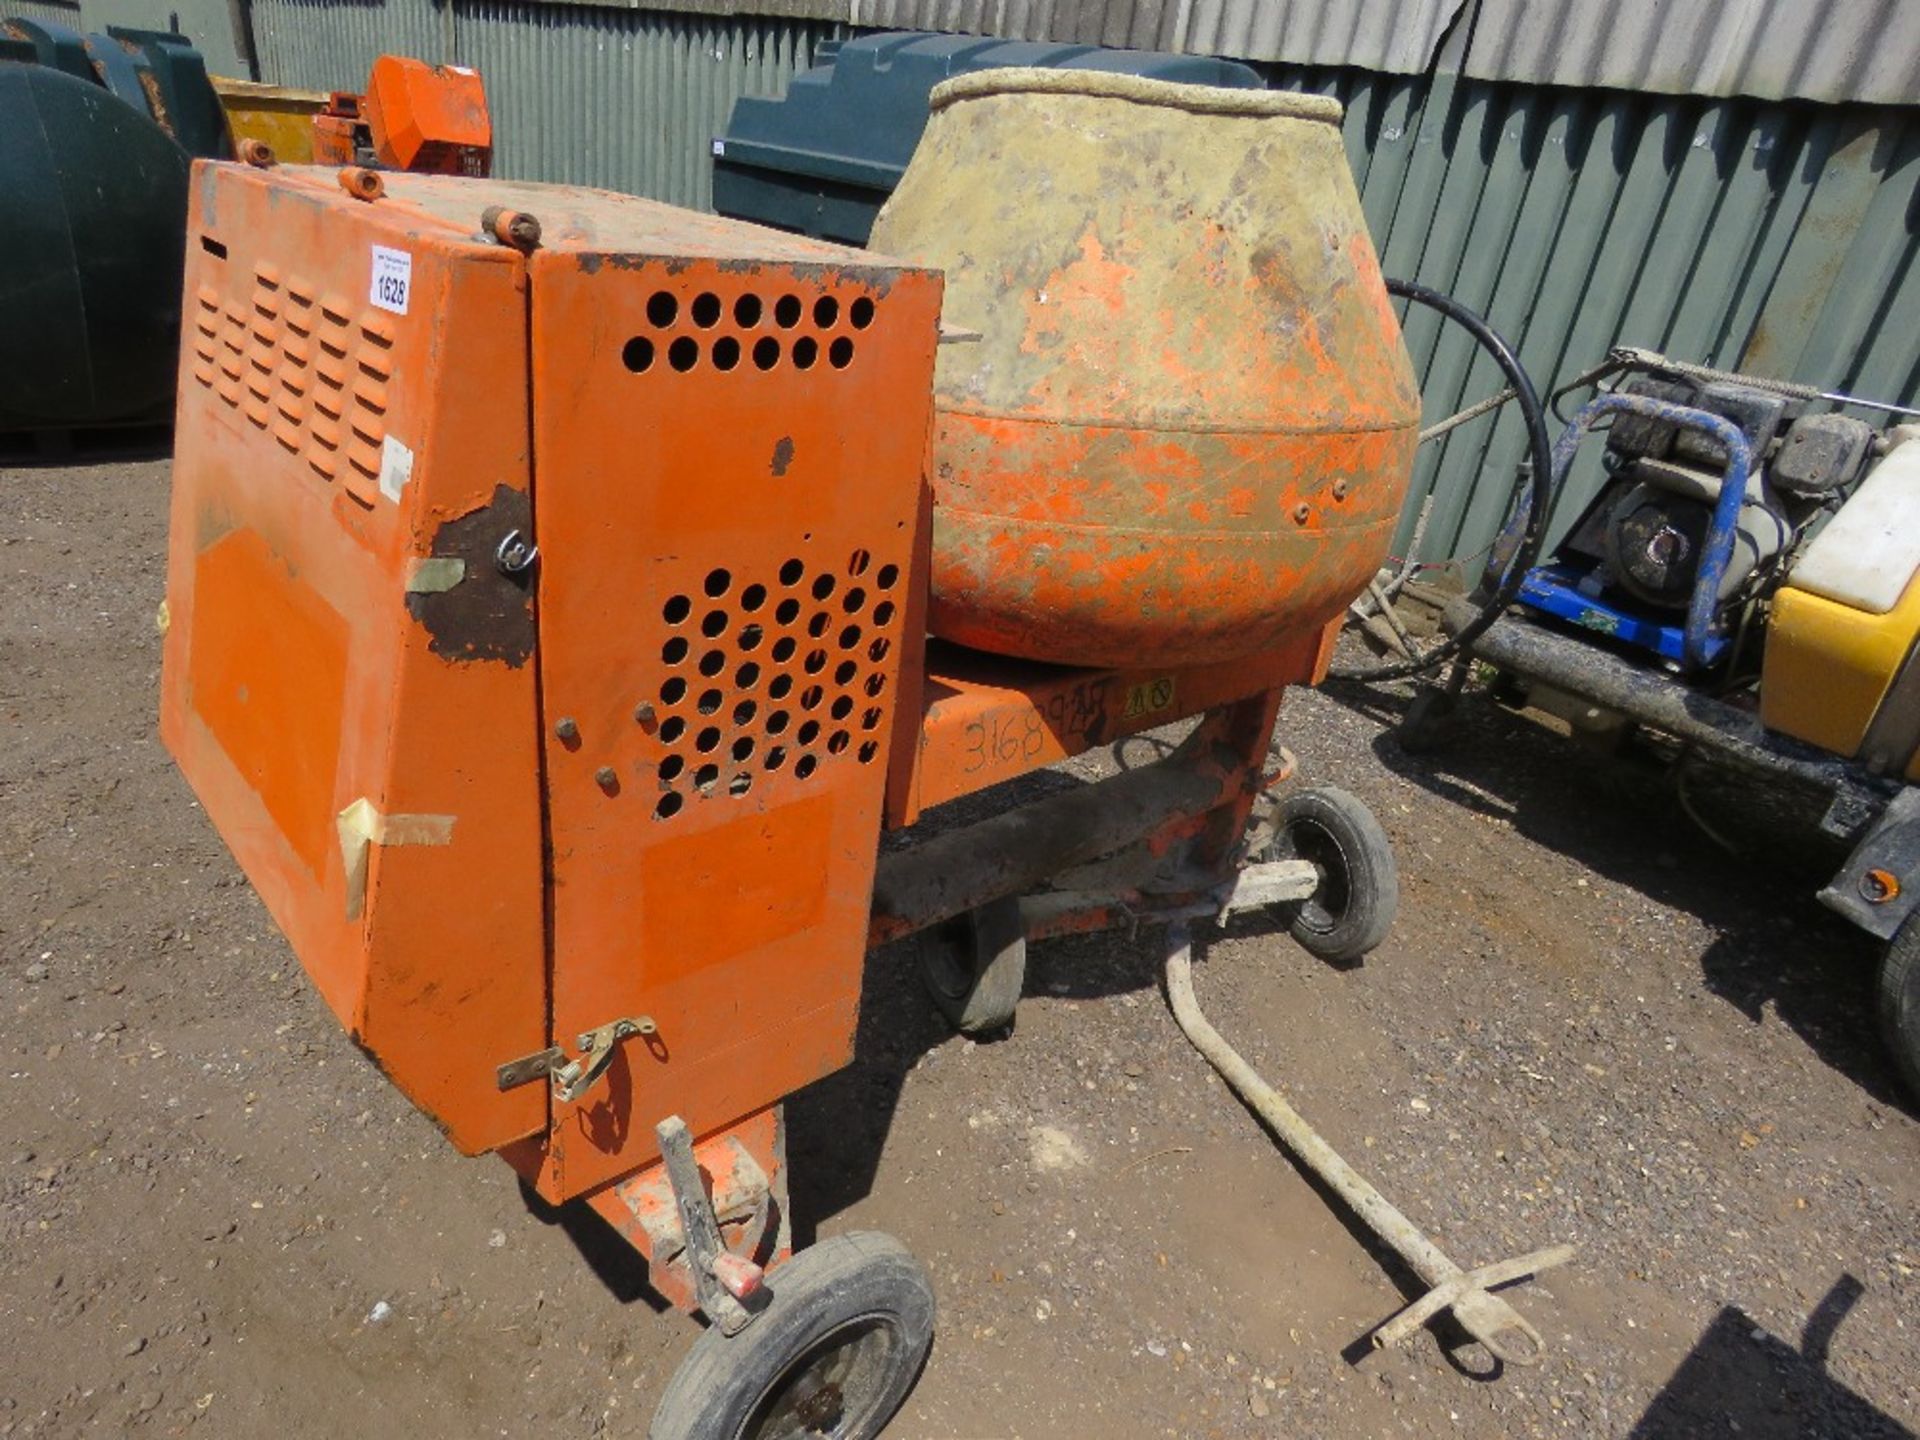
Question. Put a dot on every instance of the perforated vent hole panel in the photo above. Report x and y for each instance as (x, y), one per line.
(748, 698)
(702, 329)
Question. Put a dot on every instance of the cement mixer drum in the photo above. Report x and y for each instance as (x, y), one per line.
(1186, 428)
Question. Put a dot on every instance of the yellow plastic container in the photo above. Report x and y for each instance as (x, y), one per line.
(1829, 667)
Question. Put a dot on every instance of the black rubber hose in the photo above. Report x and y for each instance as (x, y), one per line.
(1539, 501)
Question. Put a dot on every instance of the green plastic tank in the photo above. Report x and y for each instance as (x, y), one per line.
(96, 136)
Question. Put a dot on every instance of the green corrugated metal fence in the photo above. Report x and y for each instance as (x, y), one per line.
(1779, 236)
(331, 44)
(210, 24)
(625, 99)
(44, 12)
(1774, 237)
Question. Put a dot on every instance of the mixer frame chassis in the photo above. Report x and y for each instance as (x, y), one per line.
(1160, 842)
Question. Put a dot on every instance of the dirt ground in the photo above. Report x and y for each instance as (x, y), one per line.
(1592, 1024)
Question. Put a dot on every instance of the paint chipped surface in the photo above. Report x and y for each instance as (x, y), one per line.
(482, 615)
(1188, 427)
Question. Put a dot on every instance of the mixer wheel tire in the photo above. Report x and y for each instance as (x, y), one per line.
(975, 966)
(1899, 999)
(834, 1353)
(1353, 908)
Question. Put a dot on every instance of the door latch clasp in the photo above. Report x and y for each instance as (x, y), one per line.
(574, 1078)
(577, 1076)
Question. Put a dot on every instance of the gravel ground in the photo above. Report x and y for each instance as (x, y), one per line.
(1592, 1024)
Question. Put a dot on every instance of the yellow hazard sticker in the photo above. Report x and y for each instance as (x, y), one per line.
(1148, 697)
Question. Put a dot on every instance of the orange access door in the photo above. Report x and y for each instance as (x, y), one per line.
(729, 468)
(349, 678)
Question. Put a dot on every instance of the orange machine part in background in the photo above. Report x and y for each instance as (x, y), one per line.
(339, 133)
(430, 119)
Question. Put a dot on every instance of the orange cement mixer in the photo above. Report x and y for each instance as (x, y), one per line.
(1186, 427)
(546, 633)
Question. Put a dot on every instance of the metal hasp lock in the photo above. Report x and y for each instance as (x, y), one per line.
(574, 1078)
(730, 1287)
(515, 554)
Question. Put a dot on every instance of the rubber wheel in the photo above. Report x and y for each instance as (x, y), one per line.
(833, 1355)
(975, 967)
(1352, 910)
(1899, 999)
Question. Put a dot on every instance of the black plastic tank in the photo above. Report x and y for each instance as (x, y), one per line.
(822, 159)
(96, 136)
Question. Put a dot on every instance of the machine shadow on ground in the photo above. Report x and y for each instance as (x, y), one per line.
(1739, 1379)
(838, 1126)
(612, 1259)
(1622, 816)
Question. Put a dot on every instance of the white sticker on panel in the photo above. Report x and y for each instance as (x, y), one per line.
(396, 468)
(392, 279)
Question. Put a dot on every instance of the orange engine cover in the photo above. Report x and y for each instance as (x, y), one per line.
(485, 825)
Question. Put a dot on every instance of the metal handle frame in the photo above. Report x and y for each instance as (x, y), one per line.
(1724, 528)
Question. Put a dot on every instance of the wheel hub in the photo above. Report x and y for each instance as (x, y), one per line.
(828, 1390)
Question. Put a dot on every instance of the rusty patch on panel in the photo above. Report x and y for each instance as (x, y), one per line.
(782, 455)
(487, 615)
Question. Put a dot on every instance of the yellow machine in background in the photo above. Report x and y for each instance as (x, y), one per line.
(278, 116)
(1841, 670)
(1747, 580)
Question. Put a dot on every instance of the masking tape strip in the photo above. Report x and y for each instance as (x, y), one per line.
(362, 827)
(435, 575)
